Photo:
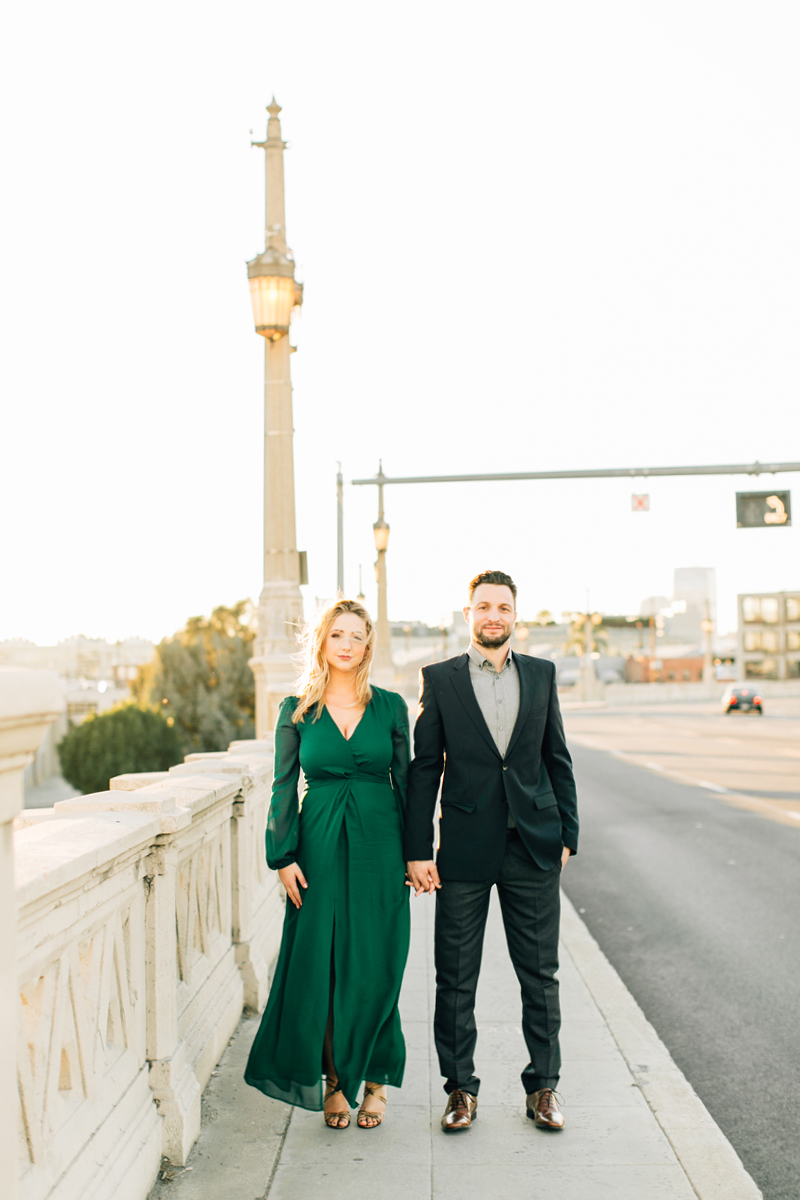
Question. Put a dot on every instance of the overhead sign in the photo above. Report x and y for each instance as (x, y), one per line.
(755, 510)
(640, 503)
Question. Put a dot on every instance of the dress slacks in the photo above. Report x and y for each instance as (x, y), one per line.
(531, 906)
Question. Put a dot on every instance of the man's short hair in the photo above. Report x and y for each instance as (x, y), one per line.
(498, 577)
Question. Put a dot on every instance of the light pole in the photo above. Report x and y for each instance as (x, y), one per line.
(383, 668)
(275, 294)
(339, 531)
(591, 687)
(707, 626)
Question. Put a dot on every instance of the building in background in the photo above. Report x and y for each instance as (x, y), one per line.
(664, 670)
(653, 605)
(95, 675)
(694, 602)
(81, 658)
(769, 635)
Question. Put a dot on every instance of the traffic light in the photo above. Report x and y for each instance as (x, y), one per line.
(755, 510)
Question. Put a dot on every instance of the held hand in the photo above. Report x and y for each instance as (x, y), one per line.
(423, 877)
(564, 856)
(292, 879)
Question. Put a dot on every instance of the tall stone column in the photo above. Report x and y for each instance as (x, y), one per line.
(275, 294)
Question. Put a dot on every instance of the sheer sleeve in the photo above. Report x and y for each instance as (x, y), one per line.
(401, 750)
(283, 822)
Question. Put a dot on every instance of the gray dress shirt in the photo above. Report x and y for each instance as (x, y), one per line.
(497, 693)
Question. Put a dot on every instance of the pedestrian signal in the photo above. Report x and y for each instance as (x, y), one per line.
(640, 503)
(755, 510)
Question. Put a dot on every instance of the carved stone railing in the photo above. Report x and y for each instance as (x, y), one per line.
(147, 921)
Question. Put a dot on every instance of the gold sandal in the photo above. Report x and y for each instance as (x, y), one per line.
(371, 1089)
(333, 1119)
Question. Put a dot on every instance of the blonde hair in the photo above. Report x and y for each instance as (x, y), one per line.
(313, 682)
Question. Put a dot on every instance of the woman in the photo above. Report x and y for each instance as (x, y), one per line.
(333, 1002)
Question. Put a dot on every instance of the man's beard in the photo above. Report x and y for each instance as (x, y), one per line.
(491, 643)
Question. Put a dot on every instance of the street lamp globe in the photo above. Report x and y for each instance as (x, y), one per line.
(273, 295)
(381, 531)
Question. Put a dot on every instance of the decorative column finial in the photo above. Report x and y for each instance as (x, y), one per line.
(273, 147)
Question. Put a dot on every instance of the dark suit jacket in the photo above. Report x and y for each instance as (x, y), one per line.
(534, 780)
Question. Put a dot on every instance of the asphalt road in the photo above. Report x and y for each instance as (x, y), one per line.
(697, 905)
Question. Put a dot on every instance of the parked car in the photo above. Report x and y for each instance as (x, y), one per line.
(742, 699)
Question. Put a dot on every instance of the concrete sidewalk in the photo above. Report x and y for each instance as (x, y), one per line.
(635, 1130)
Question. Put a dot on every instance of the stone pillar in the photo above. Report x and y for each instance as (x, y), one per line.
(280, 606)
(29, 702)
(275, 293)
(176, 1088)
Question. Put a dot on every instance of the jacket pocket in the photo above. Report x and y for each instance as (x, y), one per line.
(463, 805)
(545, 799)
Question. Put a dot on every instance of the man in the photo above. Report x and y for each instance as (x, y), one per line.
(509, 819)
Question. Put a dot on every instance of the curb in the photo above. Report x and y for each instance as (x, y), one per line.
(709, 1161)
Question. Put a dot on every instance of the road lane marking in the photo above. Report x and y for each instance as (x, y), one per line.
(755, 804)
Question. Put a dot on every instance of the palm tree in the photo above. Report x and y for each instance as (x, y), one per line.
(576, 636)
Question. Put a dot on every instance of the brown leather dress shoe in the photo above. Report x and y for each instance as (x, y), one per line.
(542, 1107)
(461, 1111)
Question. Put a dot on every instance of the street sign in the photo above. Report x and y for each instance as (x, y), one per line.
(755, 510)
(640, 503)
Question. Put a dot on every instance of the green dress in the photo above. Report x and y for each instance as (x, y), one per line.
(353, 927)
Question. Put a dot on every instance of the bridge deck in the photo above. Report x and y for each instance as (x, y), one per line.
(613, 1144)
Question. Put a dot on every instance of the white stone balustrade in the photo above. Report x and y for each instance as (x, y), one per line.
(147, 920)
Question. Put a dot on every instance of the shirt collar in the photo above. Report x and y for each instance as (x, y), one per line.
(482, 662)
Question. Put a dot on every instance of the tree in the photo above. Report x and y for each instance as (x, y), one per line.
(125, 738)
(576, 635)
(201, 678)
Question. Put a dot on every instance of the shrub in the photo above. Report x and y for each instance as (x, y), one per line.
(125, 738)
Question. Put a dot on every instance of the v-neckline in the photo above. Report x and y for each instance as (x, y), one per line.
(336, 723)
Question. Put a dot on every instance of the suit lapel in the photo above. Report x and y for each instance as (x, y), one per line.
(525, 698)
(466, 694)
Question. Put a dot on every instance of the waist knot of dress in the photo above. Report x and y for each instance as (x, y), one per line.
(348, 777)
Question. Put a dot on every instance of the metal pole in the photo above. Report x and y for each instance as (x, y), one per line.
(755, 468)
(384, 668)
(707, 625)
(339, 531)
(588, 665)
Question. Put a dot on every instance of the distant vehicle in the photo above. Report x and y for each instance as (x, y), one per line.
(742, 699)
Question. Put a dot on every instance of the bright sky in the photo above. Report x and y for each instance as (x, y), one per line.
(532, 236)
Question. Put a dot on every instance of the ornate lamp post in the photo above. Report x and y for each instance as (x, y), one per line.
(383, 667)
(275, 294)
